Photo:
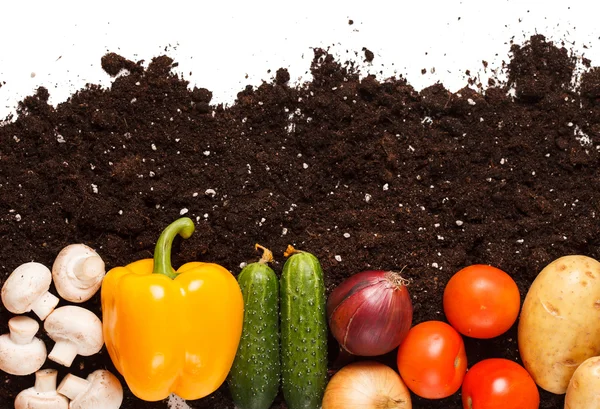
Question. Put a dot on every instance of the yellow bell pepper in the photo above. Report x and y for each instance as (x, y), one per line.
(172, 332)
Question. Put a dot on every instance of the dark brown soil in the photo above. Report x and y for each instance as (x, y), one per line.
(369, 56)
(429, 182)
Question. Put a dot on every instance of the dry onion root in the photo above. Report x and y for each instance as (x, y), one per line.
(366, 385)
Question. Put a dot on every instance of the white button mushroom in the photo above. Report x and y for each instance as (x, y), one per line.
(78, 272)
(43, 395)
(76, 331)
(101, 390)
(20, 352)
(27, 288)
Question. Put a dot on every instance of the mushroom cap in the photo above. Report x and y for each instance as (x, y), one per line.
(26, 284)
(78, 326)
(30, 398)
(21, 359)
(46, 398)
(103, 392)
(78, 272)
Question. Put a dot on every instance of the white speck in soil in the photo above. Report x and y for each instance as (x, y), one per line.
(459, 223)
(210, 192)
(386, 187)
(94, 188)
(583, 138)
(206, 153)
(338, 258)
(367, 197)
(347, 235)
(183, 211)
(153, 147)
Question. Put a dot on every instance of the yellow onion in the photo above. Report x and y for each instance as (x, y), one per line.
(366, 385)
(370, 313)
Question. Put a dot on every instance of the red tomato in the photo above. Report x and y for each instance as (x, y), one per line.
(499, 384)
(432, 360)
(481, 301)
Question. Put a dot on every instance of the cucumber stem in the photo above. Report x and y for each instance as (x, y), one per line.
(267, 256)
(291, 250)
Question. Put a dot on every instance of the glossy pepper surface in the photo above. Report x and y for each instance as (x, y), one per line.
(172, 331)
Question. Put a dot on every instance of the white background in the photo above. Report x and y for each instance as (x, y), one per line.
(58, 44)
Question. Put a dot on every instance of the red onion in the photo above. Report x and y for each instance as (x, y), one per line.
(370, 313)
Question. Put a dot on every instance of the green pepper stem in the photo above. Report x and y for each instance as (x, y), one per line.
(162, 252)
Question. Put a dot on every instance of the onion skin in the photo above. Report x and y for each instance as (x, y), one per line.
(370, 313)
(366, 385)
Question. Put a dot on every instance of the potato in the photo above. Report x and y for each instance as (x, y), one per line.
(559, 327)
(584, 388)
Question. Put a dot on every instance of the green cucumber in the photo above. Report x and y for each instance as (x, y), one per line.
(303, 331)
(254, 377)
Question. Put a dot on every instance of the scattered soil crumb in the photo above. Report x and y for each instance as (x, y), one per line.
(113, 64)
(369, 56)
(282, 76)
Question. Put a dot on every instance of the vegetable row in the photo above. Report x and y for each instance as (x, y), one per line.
(187, 331)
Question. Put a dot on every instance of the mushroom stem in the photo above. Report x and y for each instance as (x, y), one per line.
(88, 269)
(44, 305)
(22, 329)
(72, 386)
(45, 380)
(64, 352)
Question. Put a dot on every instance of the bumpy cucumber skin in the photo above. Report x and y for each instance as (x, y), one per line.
(303, 332)
(254, 377)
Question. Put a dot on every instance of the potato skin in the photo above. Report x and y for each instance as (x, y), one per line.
(559, 327)
(582, 392)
